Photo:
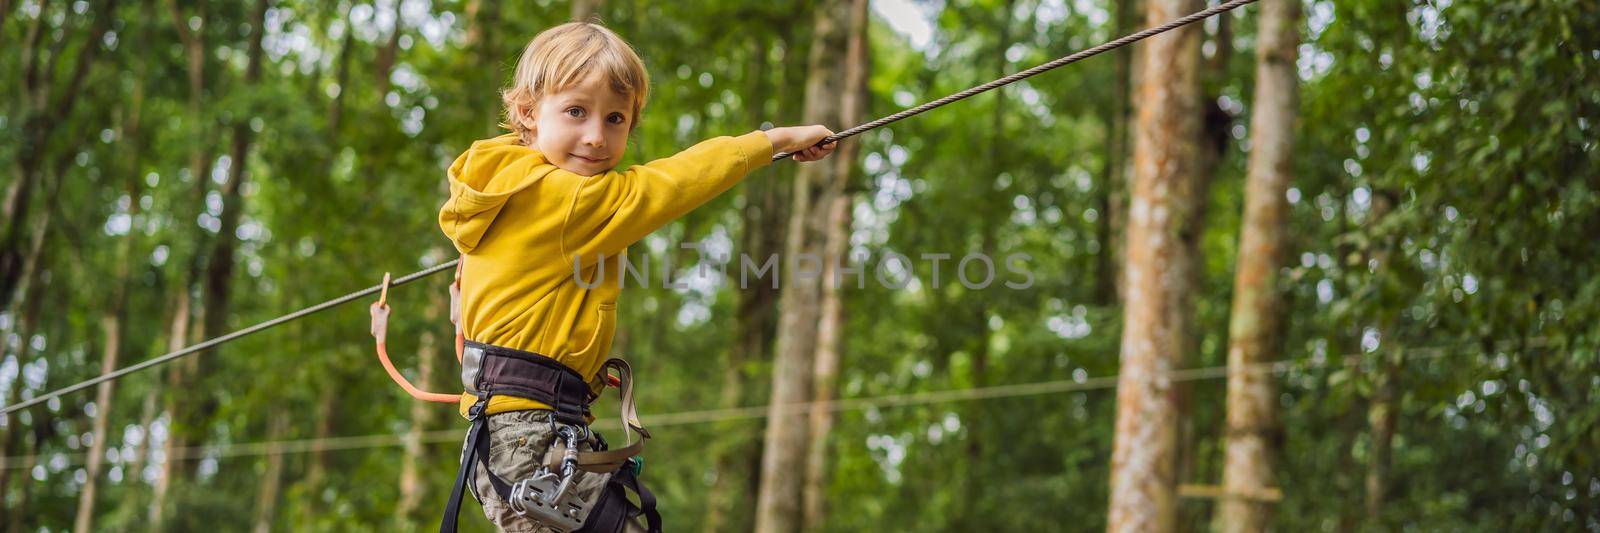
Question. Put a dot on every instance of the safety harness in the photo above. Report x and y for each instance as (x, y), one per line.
(547, 496)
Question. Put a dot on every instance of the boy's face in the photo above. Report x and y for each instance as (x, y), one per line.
(583, 129)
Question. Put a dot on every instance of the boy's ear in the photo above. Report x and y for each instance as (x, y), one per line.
(525, 115)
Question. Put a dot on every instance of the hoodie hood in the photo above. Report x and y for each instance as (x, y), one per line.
(481, 180)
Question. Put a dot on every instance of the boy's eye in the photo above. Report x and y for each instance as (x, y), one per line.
(575, 112)
(617, 118)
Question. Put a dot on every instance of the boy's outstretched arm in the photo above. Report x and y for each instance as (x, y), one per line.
(610, 211)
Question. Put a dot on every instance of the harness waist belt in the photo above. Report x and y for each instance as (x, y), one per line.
(489, 370)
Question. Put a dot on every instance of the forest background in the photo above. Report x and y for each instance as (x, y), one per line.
(1411, 322)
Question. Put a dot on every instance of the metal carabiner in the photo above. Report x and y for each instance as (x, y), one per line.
(569, 457)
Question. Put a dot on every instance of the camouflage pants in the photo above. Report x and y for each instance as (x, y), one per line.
(519, 442)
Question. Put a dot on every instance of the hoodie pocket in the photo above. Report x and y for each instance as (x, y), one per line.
(606, 327)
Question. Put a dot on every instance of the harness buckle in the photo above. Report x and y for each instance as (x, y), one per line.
(477, 409)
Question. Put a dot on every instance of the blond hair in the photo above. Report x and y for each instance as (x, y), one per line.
(562, 56)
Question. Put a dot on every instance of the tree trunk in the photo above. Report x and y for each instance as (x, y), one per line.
(112, 320)
(191, 413)
(1213, 144)
(41, 434)
(194, 47)
(1167, 169)
(30, 304)
(141, 450)
(383, 65)
(737, 459)
(219, 267)
(215, 291)
(43, 111)
(411, 482)
(1383, 417)
(200, 137)
(271, 480)
(481, 17)
(180, 329)
(31, 290)
(422, 414)
(342, 78)
(1383, 413)
(111, 325)
(1255, 325)
(177, 337)
(827, 365)
(799, 309)
(317, 470)
(835, 253)
(976, 338)
(1114, 192)
(584, 10)
(1384, 405)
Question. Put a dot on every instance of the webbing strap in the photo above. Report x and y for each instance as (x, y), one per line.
(476, 452)
(499, 485)
(608, 461)
(469, 455)
(647, 500)
(613, 511)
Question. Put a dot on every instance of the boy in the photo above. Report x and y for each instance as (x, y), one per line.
(533, 213)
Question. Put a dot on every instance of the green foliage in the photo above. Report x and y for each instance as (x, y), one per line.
(1444, 206)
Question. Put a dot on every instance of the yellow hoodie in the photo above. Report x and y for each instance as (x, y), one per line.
(519, 221)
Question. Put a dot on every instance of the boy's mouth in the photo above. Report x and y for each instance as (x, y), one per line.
(590, 159)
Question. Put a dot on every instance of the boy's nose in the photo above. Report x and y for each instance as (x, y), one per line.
(594, 135)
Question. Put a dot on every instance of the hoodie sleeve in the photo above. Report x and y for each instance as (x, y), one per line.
(610, 211)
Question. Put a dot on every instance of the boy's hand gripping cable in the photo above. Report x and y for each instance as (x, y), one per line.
(455, 311)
